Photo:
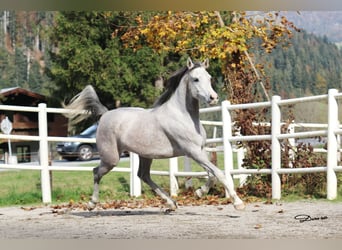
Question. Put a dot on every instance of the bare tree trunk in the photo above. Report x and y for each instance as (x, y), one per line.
(5, 16)
(28, 58)
(37, 41)
(257, 75)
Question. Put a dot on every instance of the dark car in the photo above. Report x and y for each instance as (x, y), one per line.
(79, 150)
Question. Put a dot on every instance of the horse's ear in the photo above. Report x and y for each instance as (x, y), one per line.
(205, 63)
(189, 63)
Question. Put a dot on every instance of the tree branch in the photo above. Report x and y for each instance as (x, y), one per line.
(220, 20)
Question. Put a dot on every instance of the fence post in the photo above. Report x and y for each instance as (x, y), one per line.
(135, 182)
(333, 124)
(226, 134)
(173, 168)
(44, 152)
(187, 168)
(276, 149)
(292, 142)
(240, 154)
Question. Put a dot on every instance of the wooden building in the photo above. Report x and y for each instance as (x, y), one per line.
(26, 123)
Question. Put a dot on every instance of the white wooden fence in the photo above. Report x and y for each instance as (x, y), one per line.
(332, 132)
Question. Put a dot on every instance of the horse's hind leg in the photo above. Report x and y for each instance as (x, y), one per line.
(203, 190)
(144, 174)
(99, 172)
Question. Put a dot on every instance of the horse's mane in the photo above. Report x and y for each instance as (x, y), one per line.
(172, 84)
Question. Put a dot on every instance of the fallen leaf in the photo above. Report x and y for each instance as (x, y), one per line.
(28, 208)
(257, 226)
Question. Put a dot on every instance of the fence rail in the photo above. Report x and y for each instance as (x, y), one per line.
(331, 130)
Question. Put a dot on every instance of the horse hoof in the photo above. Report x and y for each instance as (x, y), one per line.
(240, 206)
(91, 205)
(199, 193)
(171, 207)
(169, 210)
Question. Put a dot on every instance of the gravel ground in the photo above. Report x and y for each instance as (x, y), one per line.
(323, 220)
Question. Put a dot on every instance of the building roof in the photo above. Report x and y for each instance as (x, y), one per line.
(20, 96)
(18, 90)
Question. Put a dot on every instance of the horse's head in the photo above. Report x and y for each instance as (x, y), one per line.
(200, 82)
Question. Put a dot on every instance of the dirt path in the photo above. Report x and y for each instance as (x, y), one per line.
(258, 221)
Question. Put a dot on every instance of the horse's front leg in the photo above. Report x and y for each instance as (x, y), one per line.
(227, 181)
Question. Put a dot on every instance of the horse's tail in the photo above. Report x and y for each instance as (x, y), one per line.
(85, 104)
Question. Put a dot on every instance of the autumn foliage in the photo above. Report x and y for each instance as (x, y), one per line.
(207, 33)
(228, 38)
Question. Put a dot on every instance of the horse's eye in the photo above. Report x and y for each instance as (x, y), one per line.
(196, 80)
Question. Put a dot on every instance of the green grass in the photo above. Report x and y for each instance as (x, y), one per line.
(24, 188)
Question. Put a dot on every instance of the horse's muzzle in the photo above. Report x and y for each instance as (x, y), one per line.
(213, 99)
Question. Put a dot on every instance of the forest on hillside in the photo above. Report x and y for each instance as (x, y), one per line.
(309, 66)
(36, 46)
(24, 50)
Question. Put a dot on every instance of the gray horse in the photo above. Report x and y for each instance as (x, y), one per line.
(170, 128)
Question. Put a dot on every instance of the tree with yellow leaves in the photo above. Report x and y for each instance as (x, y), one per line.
(226, 36)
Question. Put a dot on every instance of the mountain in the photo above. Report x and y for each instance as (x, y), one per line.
(320, 23)
(312, 64)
